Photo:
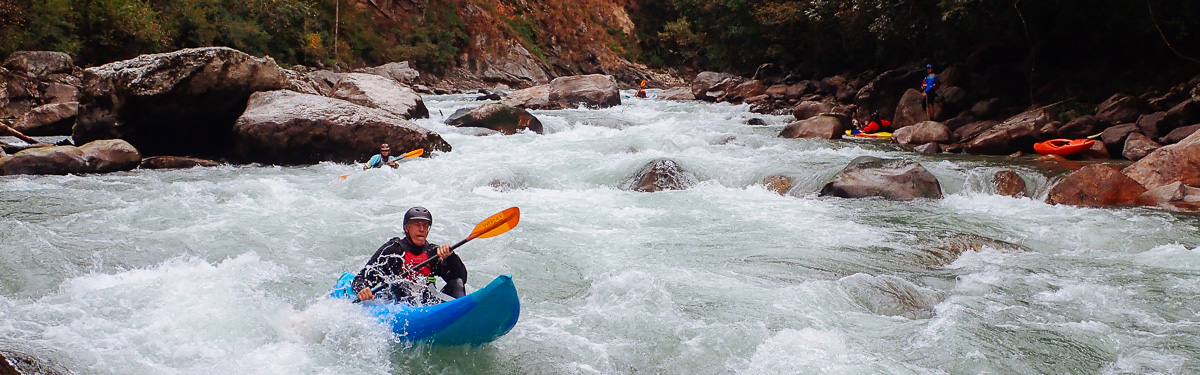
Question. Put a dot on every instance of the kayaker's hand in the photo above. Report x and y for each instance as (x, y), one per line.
(444, 251)
(365, 294)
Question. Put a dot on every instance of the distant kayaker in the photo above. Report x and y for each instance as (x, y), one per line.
(641, 92)
(399, 254)
(378, 160)
(929, 88)
(877, 124)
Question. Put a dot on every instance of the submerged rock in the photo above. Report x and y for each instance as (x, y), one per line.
(659, 175)
(1009, 183)
(499, 117)
(103, 156)
(175, 162)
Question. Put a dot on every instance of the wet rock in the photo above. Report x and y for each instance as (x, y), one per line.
(677, 93)
(286, 127)
(659, 175)
(591, 91)
(778, 183)
(891, 296)
(182, 102)
(954, 245)
(710, 86)
(756, 121)
(1179, 162)
(1138, 145)
(57, 160)
(498, 117)
(1009, 183)
(175, 162)
(377, 92)
(48, 120)
(13, 362)
(893, 179)
(1178, 134)
(1122, 109)
(110, 155)
(922, 133)
(1175, 197)
(826, 126)
(537, 97)
(489, 96)
(1096, 185)
(931, 148)
(1018, 133)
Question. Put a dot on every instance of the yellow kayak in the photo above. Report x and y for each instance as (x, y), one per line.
(879, 135)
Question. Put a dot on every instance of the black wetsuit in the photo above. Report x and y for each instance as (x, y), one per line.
(388, 264)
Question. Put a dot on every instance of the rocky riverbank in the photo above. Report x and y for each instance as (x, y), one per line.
(219, 103)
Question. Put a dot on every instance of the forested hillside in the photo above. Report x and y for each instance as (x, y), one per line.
(1067, 45)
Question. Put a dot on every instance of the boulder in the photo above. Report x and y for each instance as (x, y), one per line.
(922, 133)
(778, 183)
(1138, 145)
(659, 175)
(826, 126)
(399, 72)
(885, 90)
(1179, 162)
(182, 102)
(380, 93)
(48, 120)
(677, 93)
(110, 155)
(1018, 133)
(798, 90)
(931, 148)
(512, 64)
(537, 97)
(57, 92)
(777, 91)
(910, 110)
(972, 130)
(710, 86)
(175, 162)
(1009, 183)
(1153, 126)
(1096, 185)
(892, 179)
(807, 109)
(592, 91)
(58, 160)
(744, 91)
(1081, 127)
(770, 74)
(286, 127)
(1098, 151)
(39, 64)
(1173, 197)
(1114, 136)
(498, 117)
(1178, 134)
(1122, 109)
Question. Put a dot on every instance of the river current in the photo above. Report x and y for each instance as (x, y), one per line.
(226, 269)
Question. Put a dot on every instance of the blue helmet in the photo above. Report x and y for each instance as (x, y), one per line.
(928, 66)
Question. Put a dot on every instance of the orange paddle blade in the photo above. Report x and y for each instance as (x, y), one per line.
(413, 153)
(343, 177)
(496, 224)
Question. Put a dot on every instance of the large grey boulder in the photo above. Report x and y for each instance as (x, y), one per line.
(110, 155)
(677, 93)
(399, 72)
(176, 103)
(592, 91)
(1017, 133)
(101, 156)
(827, 126)
(49, 119)
(286, 127)
(711, 86)
(892, 179)
(498, 117)
(537, 97)
(380, 93)
(922, 133)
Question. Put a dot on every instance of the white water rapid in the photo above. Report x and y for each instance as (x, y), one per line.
(225, 270)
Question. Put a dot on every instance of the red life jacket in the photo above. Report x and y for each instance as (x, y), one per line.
(411, 259)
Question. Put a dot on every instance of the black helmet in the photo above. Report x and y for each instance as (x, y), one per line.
(418, 213)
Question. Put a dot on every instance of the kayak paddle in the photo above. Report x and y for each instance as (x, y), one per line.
(492, 226)
(410, 154)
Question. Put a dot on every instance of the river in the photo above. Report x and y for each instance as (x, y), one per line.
(226, 269)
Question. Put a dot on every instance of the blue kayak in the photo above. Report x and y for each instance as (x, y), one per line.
(476, 318)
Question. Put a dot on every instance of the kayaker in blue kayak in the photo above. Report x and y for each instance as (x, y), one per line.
(382, 158)
(396, 256)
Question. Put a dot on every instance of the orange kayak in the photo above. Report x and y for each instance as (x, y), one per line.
(1063, 147)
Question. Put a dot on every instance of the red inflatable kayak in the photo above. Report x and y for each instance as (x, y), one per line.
(1062, 147)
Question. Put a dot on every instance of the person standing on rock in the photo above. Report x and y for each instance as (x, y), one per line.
(382, 158)
(390, 265)
(929, 89)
